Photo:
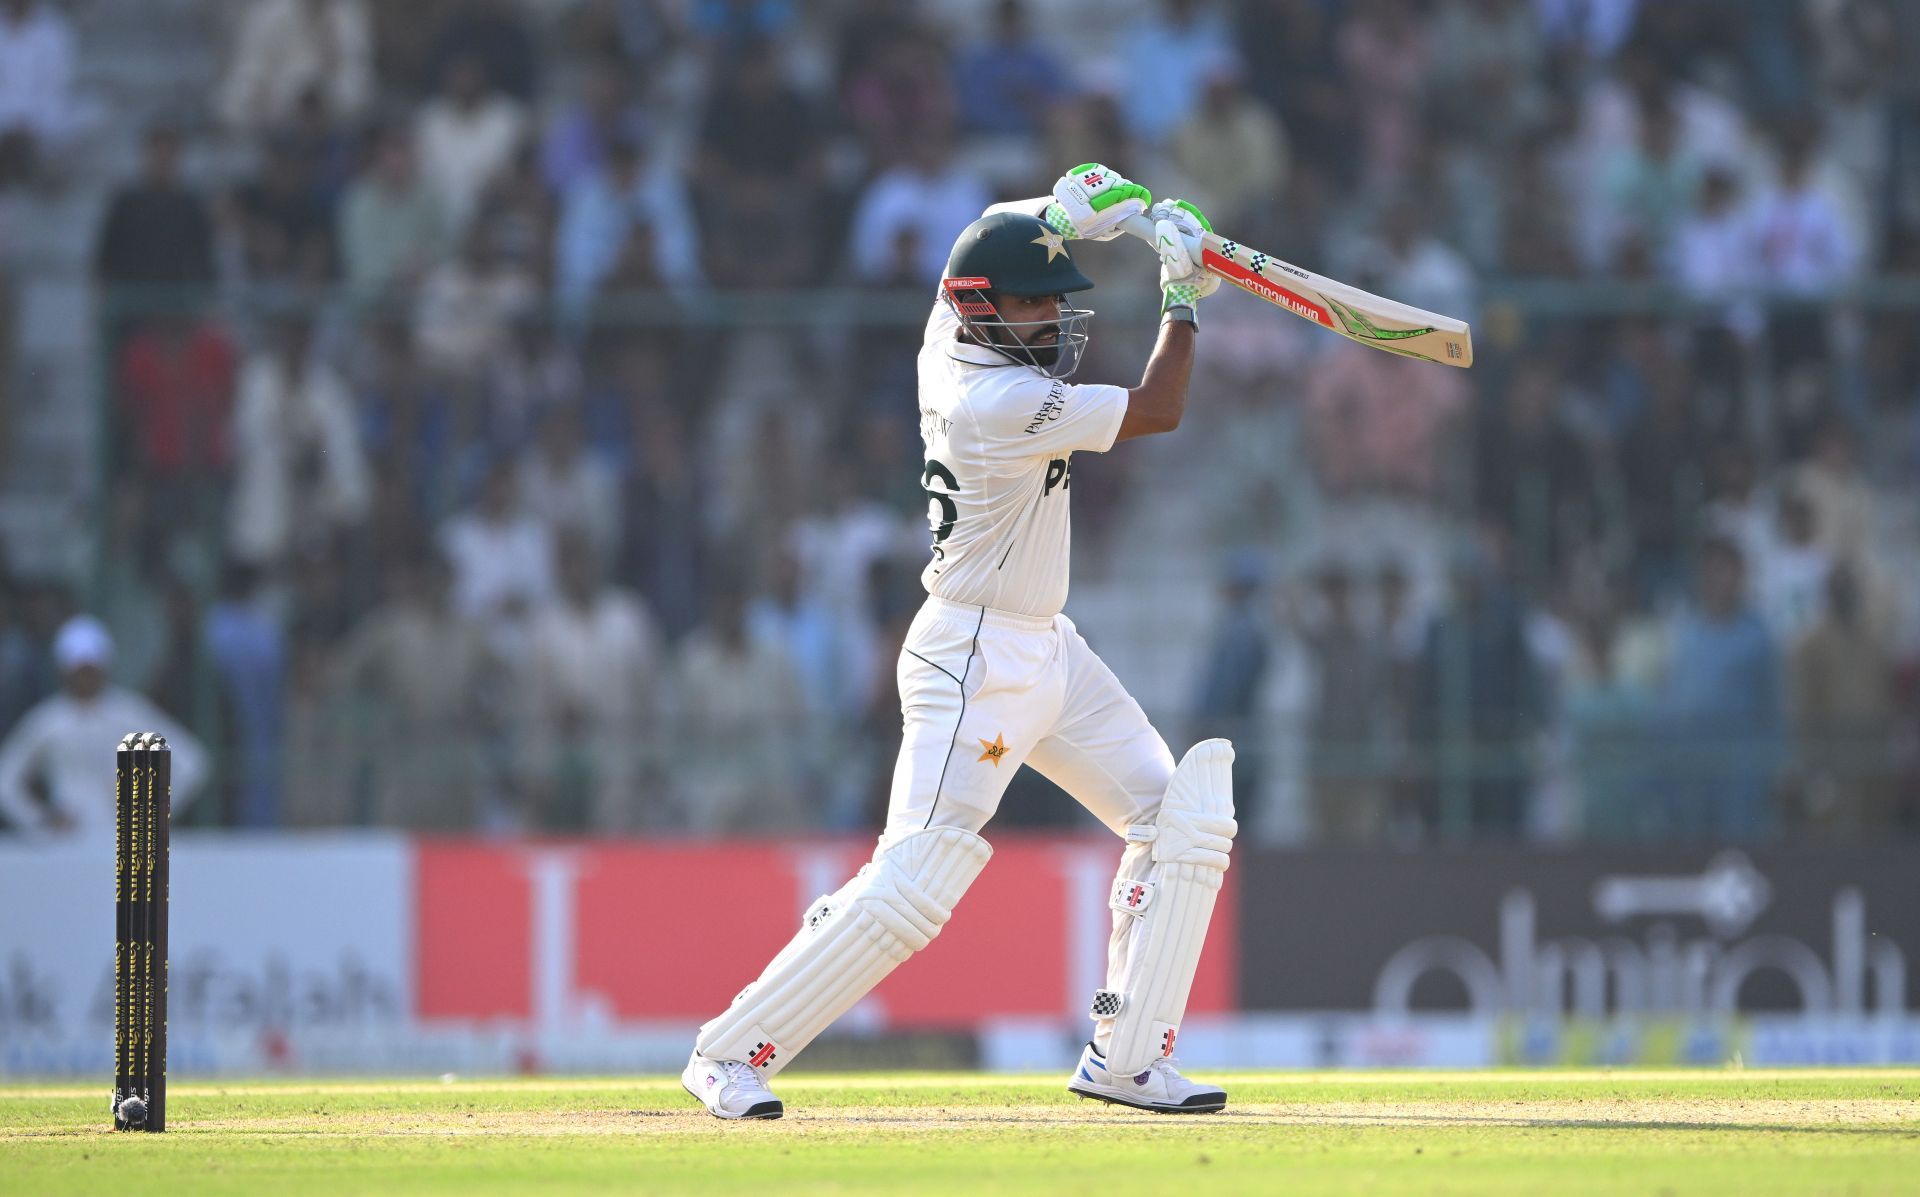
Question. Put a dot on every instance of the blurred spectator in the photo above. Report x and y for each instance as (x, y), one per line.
(467, 135)
(837, 544)
(1803, 238)
(178, 680)
(905, 221)
(421, 665)
(286, 228)
(326, 151)
(568, 487)
(1722, 710)
(1536, 476)
(1006, 82)
(249, 655)
(1177, 48)
(1711, 128)
(1789, 579)
(285, 49)
(1292, 66)
(1385, 47)
(1536, 214)
(1379, 423)
(664, 553)
(1087, 128)
(176, 390)
(1486, 78)
(408, 425)
(1351, 671)
(759, 177)
(156, 233)
(1840, 687)
(491, 32)
(895, 88)
(467, 304)
(593, 697)
(1234, 150)
(392, 227)
(517, 216)
(784, 616)
(1737, 506)
(300, 469)
(739, 728)
(28, 618)
(1609, 716)
(1660, 457)
(1583, 32)
(322, 781)
(626, 225)
(1713, 251)
(639, 34)
(502, 558)
(1235, 667)
(1646, 190)
(36, 86)
(1858, 52)
(580, 139)
(1842, 501)
(132, 605)
(756, 129)
(731, 21)
(1713, 243)
(1478, 700)
(57, 763)
(1409, 262)
(1400, 625)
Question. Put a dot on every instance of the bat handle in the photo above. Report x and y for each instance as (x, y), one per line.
(1140, 226)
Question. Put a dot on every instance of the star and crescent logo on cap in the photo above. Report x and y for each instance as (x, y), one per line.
(1055, 243)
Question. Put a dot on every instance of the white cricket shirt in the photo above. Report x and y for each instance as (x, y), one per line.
(999, 439)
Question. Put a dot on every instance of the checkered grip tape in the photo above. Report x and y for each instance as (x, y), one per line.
(1106, 1003)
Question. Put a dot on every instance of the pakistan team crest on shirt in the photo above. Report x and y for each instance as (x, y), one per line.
(992, 750)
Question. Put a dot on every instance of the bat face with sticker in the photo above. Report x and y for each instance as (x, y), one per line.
(1358, 315)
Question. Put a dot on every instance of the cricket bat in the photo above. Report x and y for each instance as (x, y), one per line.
(1355, 314)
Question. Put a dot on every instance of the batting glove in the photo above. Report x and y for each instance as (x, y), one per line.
(1177, 230)
(1090, 201)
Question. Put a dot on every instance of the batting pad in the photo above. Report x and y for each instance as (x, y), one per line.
(850, 941)
(1169, 875)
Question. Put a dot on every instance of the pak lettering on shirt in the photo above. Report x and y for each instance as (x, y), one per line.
(999, 442)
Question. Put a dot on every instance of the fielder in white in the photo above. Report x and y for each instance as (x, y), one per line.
(993, 676)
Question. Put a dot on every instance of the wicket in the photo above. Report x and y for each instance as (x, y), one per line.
(143, 793)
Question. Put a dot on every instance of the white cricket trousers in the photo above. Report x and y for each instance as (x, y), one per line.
(983, 692)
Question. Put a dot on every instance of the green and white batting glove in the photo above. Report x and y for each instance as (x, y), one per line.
(1091, 200)
(1184, 282)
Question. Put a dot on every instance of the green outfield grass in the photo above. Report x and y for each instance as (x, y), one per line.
(1379, 1134)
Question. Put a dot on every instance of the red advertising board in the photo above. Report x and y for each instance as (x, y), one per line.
(668, 932)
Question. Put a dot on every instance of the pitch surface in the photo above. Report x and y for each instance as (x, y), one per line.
(1381, 1134)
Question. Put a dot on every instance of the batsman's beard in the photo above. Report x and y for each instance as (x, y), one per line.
(1041, 349)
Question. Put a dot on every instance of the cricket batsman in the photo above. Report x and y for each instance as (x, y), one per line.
(994, 676)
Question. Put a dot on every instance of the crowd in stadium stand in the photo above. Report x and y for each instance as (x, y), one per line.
(433, 500)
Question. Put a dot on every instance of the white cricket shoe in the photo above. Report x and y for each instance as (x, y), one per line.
(1160, 1088)
(730, 1088)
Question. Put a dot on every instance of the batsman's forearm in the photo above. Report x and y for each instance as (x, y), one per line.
(1159, 402)
(1037, 206)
